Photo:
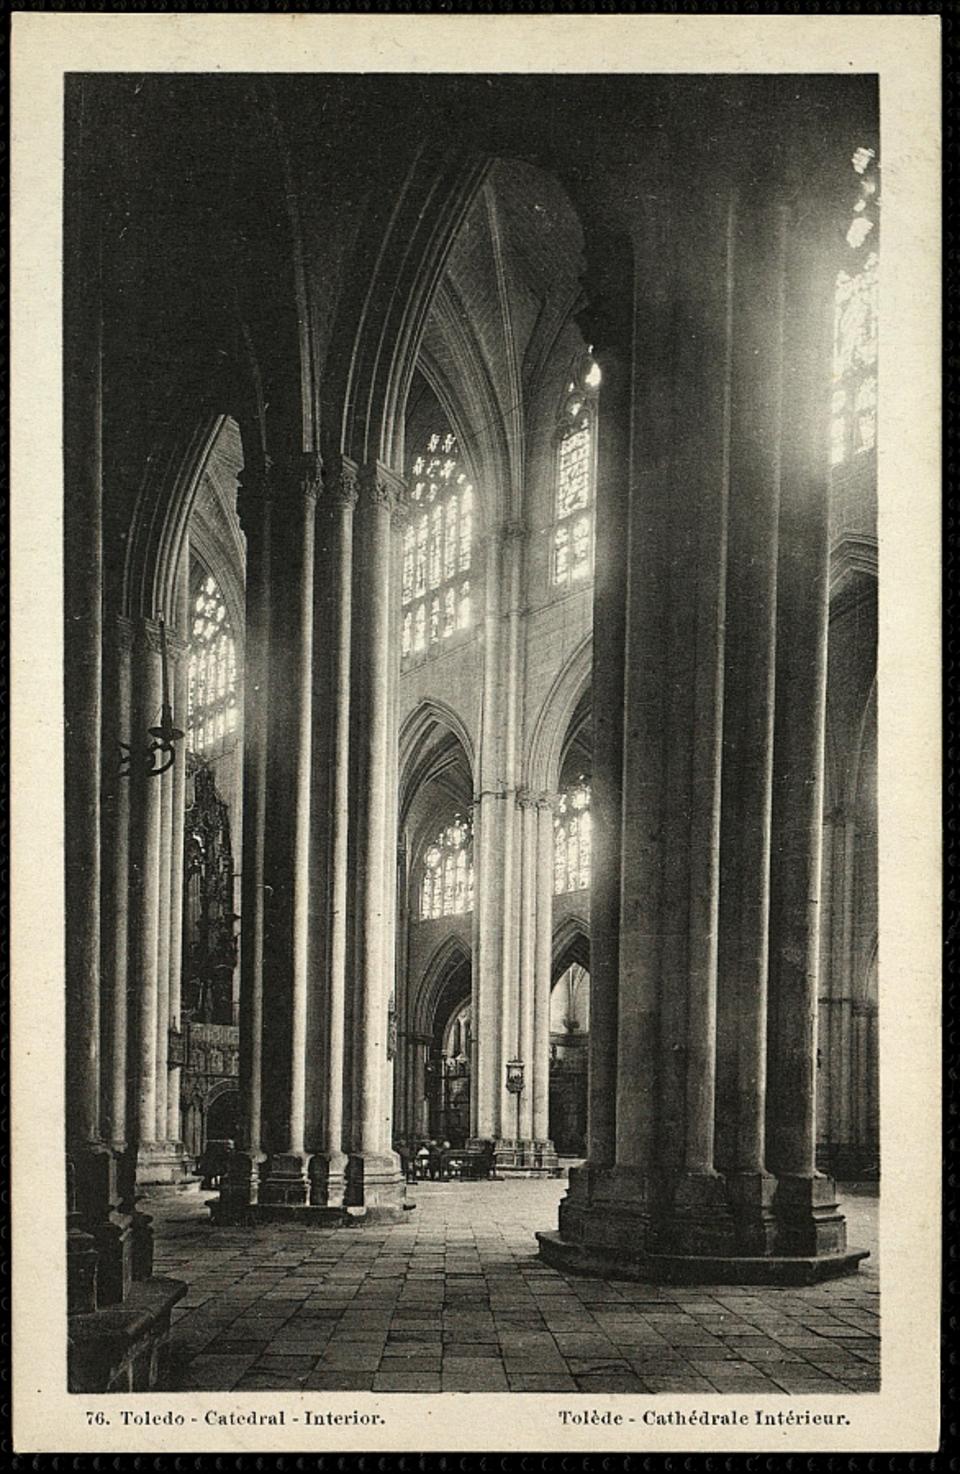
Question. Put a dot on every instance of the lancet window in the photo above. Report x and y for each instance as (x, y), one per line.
(211, 670)
(437, 548)
(571, 840)
(572, 553)
(446, 887)
(855, 333)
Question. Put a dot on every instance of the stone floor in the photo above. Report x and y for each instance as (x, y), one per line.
(454, 1298)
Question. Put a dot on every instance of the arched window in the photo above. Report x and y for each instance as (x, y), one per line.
(572, 551)
(446, 887)
(853, 430)
(437, 548)
(571, 840)
(211, 670)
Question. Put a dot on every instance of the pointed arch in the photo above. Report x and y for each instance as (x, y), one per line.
(866, 735)
(452, 955)
(418, 752)
(548, 740)
(571, 944)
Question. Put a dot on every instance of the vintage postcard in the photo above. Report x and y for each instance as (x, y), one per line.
(475, 609)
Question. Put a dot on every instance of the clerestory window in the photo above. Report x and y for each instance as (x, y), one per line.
(853, 430)
(446, 885)
(571, 840)
(211, 670)
(437, 548)
(572, 551)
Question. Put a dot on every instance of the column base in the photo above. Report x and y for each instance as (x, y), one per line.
(694, 1217)
(284, 1181)
(619, 1224)
(375, 1186)
(328, 1180)
(808, 1216)
(98, 1225)
(124, 1348)
(679, 1269)
(162, 1163)
(525, 1157)
(750, 1196)
(291, 1188)
(239, 1188)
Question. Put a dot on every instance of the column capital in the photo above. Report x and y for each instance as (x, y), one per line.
(514, 532)
(300, 472)
(177, 646)
(379, 486)
(527, 798)
(146, 635)
(119, 634)
(343, 489)
(546, 800)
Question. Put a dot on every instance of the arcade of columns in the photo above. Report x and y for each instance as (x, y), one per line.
(709, 672)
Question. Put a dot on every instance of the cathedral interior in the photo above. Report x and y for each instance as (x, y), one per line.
(470, 580)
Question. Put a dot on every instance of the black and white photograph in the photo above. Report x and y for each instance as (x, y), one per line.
(472, 948)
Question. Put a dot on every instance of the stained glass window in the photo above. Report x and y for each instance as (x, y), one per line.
(572, 558)
(211, 670)
(571, 840)
(853, 428)
(437, 547)
(446, 887)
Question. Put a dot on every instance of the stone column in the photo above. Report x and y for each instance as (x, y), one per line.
(759, 247)
(691, 1210)
(543, 974)
(332, 725)
(98, 1241)
(392, 856)
(609, 613)
(145, 799)
(486, 1064)
(255, 510)
(375, 1180)
(284, 1178)
(164, 918)
(115, 953)
(528, 955)
(509, 878)
(401, 1075)
(806, 1205)
(174, 1130)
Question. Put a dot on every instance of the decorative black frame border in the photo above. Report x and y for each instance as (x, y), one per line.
(946, 1456)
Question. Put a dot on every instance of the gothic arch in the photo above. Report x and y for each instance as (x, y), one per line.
(851, 556)
(866, 737)
(571, 944)
(550, 730)
(452, 954)
(412, 221)
(415, 733)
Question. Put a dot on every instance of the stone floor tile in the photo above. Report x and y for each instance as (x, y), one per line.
(616, 1382)
(493, 1380)
(215, 1373)
(406, 1382)
(743, 1385)
(540, 1382)
(363, 1358)
(410, 1364)
(799, 1386)
(339, 1381)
